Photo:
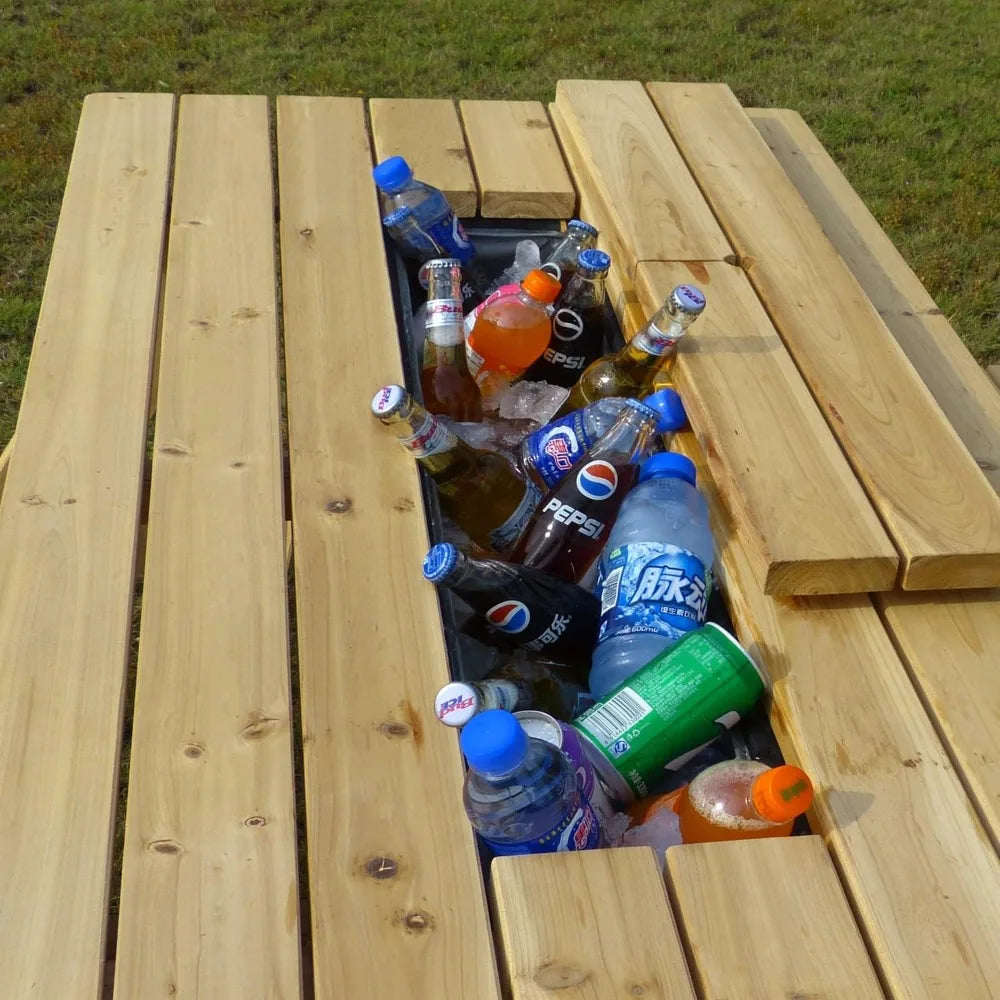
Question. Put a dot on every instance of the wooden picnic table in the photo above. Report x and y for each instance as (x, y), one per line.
(219, 299)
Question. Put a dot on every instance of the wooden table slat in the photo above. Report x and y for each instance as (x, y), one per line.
(941, 512)
(768, 918)
(8, 450)
(68, 523)
(398, 905)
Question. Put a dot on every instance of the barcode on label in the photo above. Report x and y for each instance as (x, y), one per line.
(617, 715)
(609, 592)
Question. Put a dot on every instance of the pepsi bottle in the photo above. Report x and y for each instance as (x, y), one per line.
(527, 607)
(570, 526)
(561, 263)
(577, 336)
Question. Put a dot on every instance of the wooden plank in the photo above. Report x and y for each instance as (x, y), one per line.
(393, 866)
(8, 449)
(588, 925)
(950, 643)
(801, 940)
(940, 510)
(652, 200)
(209, 899)
(771, 453)
(960, 386)
(429, 134)
(519, 169)
(68, 521)
(994, 372)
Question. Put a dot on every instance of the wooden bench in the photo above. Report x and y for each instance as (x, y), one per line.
(846, 444)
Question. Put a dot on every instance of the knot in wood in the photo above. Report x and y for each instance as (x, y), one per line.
(394, 730)
(416, 921)
(341, 506)
(193, 750)
(382, 868)
(560, 976)
(164, 847)
(255, 821)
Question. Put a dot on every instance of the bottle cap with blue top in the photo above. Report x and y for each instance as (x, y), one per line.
(583, 227)
(670, 407)
(440, 561)
(668, 463)
(687, 299)
(596, 261)
(494, 742)
(392, 174)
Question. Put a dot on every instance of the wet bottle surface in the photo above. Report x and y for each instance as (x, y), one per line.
(641, 362)
(562, 262)
(479, 490)
(447, 385)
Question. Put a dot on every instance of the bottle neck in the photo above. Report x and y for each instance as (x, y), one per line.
(584, 291)
(628, 436)
(662, 333)
(444, 321)
(434, 445)
(472, 574)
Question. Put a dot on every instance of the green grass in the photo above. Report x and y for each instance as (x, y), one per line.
(903, 94)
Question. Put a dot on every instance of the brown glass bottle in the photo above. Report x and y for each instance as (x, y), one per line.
(479, 490)
(447, 386)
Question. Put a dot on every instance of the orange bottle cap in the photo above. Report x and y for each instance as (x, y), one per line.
(541, 285)
(781, 794)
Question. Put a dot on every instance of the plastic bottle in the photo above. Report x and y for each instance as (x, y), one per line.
(433, 215)
(572, 521)
(577, 324)
(406, 233)
(521, 794)
(655, 572)
(551, 451)
(649, 355)
(512, 331)
(561, 263)
(743, 800)
(539, 612)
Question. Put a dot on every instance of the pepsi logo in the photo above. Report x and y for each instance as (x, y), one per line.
(567, 325)
(597, 480)
(509, 616)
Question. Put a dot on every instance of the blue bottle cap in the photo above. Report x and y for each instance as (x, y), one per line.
(392, 174)
(594, 260)
(668, 404)
(583, 227)
(395, 218)
(494, 742)
(688, 299)
(668, 463)
(440, 561)
(641, 407)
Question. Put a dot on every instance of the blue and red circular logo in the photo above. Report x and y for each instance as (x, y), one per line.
(597, 480)
(509, 616)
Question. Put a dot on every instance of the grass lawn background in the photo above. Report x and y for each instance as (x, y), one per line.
(904, 94)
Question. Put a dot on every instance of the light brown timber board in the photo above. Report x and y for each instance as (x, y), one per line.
(647, 190)
(429, 135)
(68, 523)
(768, 918)
(994, 373)
(519, 169)
(960, 386)
(209, 902)
(950, 641)
(941, 512)
(770, 450)
(587, 925)
(5, 462)
(398, 907)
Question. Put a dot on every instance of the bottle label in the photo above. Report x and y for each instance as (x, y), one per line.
(504, 536)
(444, 322)
(499, 693)
(651, 587)
(555, 448)
(449, 234)
(654, 341)
(430, 438)
(578, 831)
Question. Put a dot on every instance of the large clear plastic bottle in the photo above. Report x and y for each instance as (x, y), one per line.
(654, 572)
(521, 794)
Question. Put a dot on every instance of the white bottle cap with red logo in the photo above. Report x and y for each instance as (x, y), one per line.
(456, 703)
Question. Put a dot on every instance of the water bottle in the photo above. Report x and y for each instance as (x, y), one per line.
(654, 574)
(551, 451)
(521, 794)
(432, 213)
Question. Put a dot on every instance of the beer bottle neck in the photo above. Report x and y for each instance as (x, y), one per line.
(435, 446)
(444, 304)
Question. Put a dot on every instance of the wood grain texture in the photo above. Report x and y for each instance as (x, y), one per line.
(950, 643)
(941, 512)
(994, 373)
(782, 472)
(588, 925)
(398, 907)
(429, 135)
(519, 169)
(768, 918)
(209, 901)
(652, 200)
(68, 522)
(962, 389)
(918, 867)
(8, 449)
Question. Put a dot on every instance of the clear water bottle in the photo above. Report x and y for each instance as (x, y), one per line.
(521, 794)
(551, 451)
(432, 213)
(654, 575)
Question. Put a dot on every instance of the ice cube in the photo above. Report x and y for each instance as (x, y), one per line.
(534, 401)
(660, 831)
(615, 828)
(526, 258)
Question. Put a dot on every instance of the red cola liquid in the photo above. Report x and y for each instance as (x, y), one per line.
(572, 522)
